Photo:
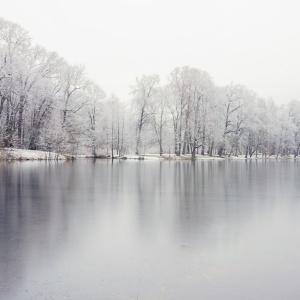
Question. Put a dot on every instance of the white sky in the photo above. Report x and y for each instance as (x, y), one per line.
(252, 42)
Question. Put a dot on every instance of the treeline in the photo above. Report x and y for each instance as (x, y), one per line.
(47, 104)
(202, 118)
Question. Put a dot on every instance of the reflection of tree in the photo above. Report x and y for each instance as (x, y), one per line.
(10, 255)
(47, 208)
(192, 212)
(33, 216)
(213, 197)
(146, 193)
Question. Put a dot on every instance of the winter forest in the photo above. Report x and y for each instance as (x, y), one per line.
(48, 104)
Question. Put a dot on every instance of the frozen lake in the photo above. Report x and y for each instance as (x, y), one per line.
(150, 230)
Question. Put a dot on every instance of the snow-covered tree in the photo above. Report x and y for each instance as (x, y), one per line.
(142, 95)
(94, 95)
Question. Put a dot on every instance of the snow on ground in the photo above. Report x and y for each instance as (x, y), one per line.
(22, 154)
(200, 157)
(171, 156)
(141, 157)
(262, 157)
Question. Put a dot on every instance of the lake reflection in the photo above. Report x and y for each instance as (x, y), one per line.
(150, 230)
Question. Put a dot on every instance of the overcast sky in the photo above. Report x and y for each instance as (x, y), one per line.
(255, 42)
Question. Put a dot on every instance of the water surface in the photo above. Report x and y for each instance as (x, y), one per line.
(150, 230)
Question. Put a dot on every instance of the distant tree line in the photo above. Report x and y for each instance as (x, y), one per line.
(191, 115)
(47, 104)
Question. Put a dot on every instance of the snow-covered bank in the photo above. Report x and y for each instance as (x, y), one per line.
(141, 157)
(22, 154)
(171, 156)
(204, 157)
(10, 154)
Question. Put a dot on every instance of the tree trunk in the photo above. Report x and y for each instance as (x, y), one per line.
(247, 151)
(194, 150)
(2, 105)
(220, 151)
(176, 145)
(211, 148)
(179, 138)
(20, 121)
(160, 145)
(112, 141)
(203, 142)
(184, 147)
(138, 141)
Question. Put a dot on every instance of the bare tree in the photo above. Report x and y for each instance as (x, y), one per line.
(94, 95)
(142, 93)
(160, 115)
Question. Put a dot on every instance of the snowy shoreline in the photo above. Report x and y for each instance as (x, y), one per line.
(205, 157)
(12, 154)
